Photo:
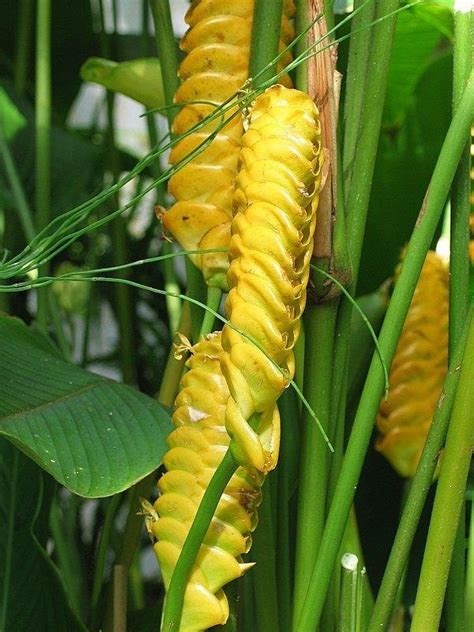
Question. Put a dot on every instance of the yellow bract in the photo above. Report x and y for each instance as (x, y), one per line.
(418, 371)
(272, 233)
(197, 446)
(215, 67)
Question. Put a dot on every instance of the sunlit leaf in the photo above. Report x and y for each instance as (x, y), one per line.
(139, 79)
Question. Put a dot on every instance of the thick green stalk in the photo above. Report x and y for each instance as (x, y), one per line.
(213, 301)
(364, 130)
(102, 550)
(167, 51)
(123, 300)
(169, 59)
(449, 499)
(370, 123)
(265, 39)
(264, 573)
(356, 79)
(173, 303)
(360, 437)
(314, 464)
(287, 476)
(175, 596)
(416, 498)
(23, 45)
(469, 612)
(42, 137)
(459, 280)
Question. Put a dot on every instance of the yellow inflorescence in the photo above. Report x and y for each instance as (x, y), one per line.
(197, 446)
(272, 231)
(418, 371)
(217, 47)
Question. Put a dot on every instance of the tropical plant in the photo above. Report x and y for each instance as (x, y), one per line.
(220, 313)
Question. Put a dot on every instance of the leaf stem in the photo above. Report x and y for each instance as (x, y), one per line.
(459, 279)
(314, 464)
(417, 495)
(448, 500)
(42, 138)
(175, 595)
(213, 301)
(264, 573)
(266, 28)
(359, 50)
(23, 47)
(169, 59)
(360, 437)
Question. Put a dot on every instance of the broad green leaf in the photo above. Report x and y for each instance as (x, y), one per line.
(420, 32)
(11, 119)
(139, 79)
(32, 595)
(95, 436)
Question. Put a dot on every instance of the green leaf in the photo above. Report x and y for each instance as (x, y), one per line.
(95, 436)
(11, 119)
(419, 34)
(139, 79)
(32, 595)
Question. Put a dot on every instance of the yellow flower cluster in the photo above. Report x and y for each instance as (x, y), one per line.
(417, 372)
(215, 67)
(197, 446)
(271, 246)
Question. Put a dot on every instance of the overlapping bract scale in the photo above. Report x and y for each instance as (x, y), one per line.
(217, 47)
(418, 371)
(272, 232)
(197, 446)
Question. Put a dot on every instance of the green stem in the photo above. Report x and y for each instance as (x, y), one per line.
(469, 612)
(173, 303)
(265, 582)
(356, 84)
(42, 137)
(418, 491)
(63, 530)
(313, 477)
(213, 301)
(448, 500)
(102, 550)
(287, 476)
(23, 46)
(168, 54)
(362, 129)
(266, 28)
(459, 281)
(174, 366)
(301, 23)
(123, 299)
(390, 333)
(370, 123)
(207, 507)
